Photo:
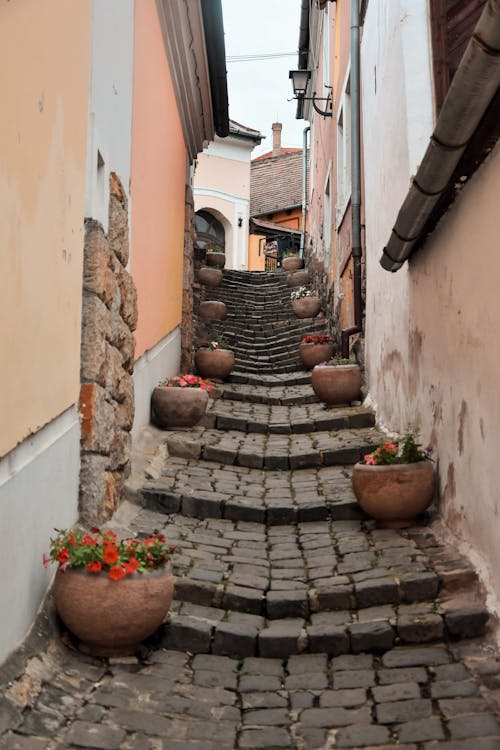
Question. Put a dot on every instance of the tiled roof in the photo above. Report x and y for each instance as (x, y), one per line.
(243, 131)
(283, 151)
(276, 182)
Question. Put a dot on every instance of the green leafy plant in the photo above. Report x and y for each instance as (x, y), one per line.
(215, 344)
(101, 551)
(404, 451)
(336, 361)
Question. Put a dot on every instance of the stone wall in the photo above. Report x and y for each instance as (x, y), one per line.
(109, 317)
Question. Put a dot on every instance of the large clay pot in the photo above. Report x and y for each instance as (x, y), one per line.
(113, 617)
(213, 310)
(313, 354)
(292, 263)
(214, 363)
(298, 278)
(395, 494)
(216, 259)
(209, 276)
(178, 407)
(306, 307)
(336, 384)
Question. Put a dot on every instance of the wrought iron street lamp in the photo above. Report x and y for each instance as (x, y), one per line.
(300, 80)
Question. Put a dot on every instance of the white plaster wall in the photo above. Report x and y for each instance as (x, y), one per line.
(38, 491)
(432, 348)
(158, 363)
(398, 121)
(110, 109)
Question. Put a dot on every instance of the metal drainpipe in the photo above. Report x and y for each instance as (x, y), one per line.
(304, 191)
(355, 181)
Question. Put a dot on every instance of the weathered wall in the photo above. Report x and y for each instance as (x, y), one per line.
(159, 176)
(44, 57)
(42, 183)
(432, 350)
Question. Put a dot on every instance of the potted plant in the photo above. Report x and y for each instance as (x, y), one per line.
(111, 594)
(215, 257)
(292, 262)
(298, 278)
(395, 483)
(213, 359)
(213, 310)
(315, 349)
(305, 304)
(180, 401)
(336, 381)
(211, 277)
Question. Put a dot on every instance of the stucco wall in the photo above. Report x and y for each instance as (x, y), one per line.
(110, 109)
(431, 344)
(44, 56)
(157, 185)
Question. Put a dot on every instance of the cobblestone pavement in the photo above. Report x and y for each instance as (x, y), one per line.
(297, 624)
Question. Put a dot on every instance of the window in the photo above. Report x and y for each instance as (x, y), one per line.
(344, 152)
(452, 24)
(209, 231)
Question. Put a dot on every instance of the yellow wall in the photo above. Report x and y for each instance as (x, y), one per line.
(256, 262)
(44, 64)
(157, 185)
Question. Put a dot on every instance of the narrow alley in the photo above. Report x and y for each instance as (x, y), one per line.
(297, 623)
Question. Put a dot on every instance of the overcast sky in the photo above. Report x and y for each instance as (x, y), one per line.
(258, 90)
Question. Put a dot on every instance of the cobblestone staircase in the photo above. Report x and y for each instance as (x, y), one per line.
(260, 326)
(276, 557)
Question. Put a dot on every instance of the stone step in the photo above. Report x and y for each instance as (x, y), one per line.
(265, 418)
(271, 381)
(275, 451)
(338, 588)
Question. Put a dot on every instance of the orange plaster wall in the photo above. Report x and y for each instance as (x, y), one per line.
(256, 262)
(44, 64)
(158, 179)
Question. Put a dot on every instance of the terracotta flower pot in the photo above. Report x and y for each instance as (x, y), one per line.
(394, 494)
(213, 310)
(336, 384)
(292, 263)
(214, 363)
(178, 407)
(216, 259)
(313, 354)
(306, 307)
(211, 277)
(113, 617)
(299, 278)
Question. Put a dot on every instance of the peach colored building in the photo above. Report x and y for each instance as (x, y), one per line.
(103, 120)
(222, 189)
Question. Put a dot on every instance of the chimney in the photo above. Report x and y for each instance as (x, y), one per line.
(277, 138)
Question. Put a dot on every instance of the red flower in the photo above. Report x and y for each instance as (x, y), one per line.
(87, 540)
(45, 560)
(116, 572)
(95, 566)
(62, 556)
(110, 554)
(131, 565)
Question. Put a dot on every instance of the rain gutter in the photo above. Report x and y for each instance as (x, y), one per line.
(472, 89)
(304, 191)
(355, 181)
(213, 26)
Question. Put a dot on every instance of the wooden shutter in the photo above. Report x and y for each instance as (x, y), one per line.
(452, 24)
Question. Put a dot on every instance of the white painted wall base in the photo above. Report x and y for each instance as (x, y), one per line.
(162, 361)
(38, 491)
